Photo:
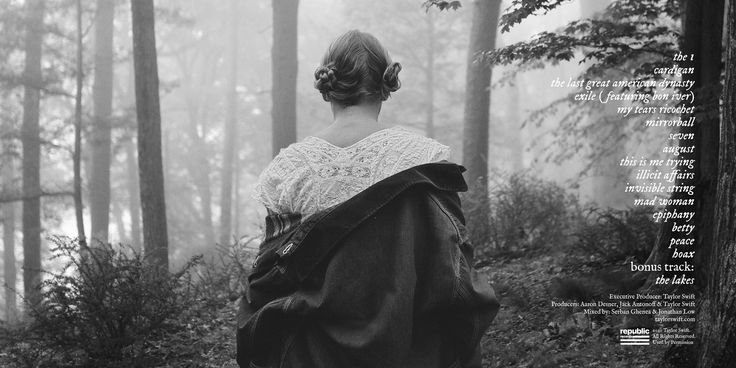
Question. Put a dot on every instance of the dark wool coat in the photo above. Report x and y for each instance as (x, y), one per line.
(381, 280)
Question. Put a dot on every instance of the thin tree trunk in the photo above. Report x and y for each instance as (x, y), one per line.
(199, 169)
(231, 131)
(606, 176)
(284, 70)
(117, 212)
(134, 204)
(132, 180)
(198, 164)
(236, 200)
(9, 270)
(78, 206)
(476, 121)
(32, 153)
(150, 163)
(430, 74)
(99, 186)
(717, 313)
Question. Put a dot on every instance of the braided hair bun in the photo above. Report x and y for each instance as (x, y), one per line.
(356, 68)
(391, 82)
(324, 79)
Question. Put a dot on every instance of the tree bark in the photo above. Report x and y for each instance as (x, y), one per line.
(148, 111)
(717, 313)
(78, 205)
(99, 186)
(32, 153)
(702, 35)
(284, 70)
(476, 120)
(705, 17)
(231, 130)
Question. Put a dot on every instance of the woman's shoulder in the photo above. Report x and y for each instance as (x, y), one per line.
(279, 172)
(412, 140)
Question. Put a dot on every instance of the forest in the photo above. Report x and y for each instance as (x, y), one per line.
(133, 132)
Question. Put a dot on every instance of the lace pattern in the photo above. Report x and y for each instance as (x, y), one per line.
(312, 175)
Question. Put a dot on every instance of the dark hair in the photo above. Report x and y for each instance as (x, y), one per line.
(356, 68)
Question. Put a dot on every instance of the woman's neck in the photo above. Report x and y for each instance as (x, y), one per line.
(356, 114)
(352, 123)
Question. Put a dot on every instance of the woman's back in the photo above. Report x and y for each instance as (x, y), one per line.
(314, 174)
(376, 270)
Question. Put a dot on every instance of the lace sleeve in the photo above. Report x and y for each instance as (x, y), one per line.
(269, 186)
(438, 152)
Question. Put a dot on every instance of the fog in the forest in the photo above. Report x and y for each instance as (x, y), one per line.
(133, 134)
(195, 44)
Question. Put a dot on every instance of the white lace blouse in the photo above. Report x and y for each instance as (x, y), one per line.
(312, 175)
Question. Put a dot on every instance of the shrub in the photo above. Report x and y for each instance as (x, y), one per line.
(476, 211)
(222, 277)
(528, 213)
(105, 299)
(614, 235)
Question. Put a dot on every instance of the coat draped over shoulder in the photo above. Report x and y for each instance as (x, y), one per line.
(383, 279)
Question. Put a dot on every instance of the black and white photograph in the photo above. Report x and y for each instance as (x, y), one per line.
(368, 183)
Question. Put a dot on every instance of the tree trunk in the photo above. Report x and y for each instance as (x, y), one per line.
(99, 186)
(131, 160)
(78, 206)
(148, 111)
(231, 131)
(717, 313)
(702, 32)
(198, 163)
(117, 212)
(32, 153)
(704, 41)
(430, 74)
(283, 70)
(199, 169)
(236, 196)
(702, 35)
(476, 120)
(9, 271)
(134, 204)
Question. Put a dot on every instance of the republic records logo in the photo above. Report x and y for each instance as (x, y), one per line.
(634, 336)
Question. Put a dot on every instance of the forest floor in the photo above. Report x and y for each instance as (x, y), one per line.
(527, 332)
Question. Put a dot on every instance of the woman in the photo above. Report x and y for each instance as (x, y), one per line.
(365, 262)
